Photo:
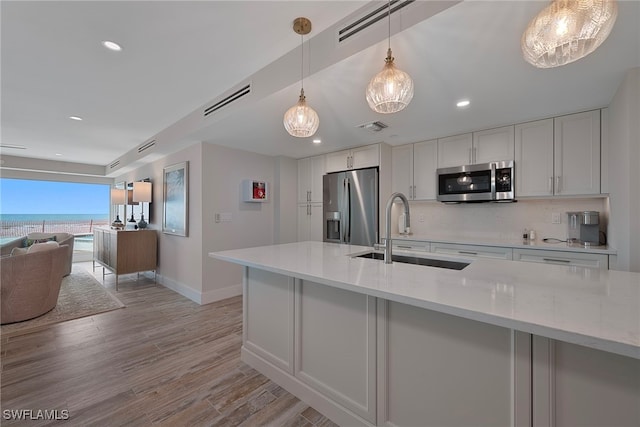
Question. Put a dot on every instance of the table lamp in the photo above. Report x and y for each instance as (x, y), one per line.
(142, 194)
(117, 198)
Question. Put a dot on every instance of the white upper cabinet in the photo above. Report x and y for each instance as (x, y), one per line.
(356, 158)
(402, 170)
(559, 156)
(493, 145)
(577, 153)
(414, 170)
(479, 147)
(310, 172)
(455, 150)
(534, 158)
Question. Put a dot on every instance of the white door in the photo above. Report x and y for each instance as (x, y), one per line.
(534, 158)
(316, 171)
(365, 157)
(338, 161)
(316, 223)
(577, 153)
(402, 170)
(425, 164)
(455, 150)
(493, 145)
(303, 222)
(304, 175)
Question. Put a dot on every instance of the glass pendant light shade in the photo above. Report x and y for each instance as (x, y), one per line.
(390, 90)
(301, 120)
(567, 30)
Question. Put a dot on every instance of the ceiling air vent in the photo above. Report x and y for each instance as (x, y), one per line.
(13, 147)
(146, 146)
(238, 94)
(114, 164)
(371, 18)
(373, 126)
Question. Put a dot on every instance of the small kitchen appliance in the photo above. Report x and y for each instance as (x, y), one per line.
(485, 182)
(584, 228)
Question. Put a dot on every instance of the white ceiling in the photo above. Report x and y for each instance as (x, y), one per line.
(180, 56)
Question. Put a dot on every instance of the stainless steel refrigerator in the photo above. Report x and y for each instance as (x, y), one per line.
(350, 208)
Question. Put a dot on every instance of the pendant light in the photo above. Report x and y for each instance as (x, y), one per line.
(567, 30)
(391, 90)
(301, 120)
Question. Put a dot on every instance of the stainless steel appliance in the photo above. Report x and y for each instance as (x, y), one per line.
(485, 182)
(584, 228)
(350, 208)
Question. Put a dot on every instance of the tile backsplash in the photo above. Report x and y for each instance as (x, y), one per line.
(498, 220)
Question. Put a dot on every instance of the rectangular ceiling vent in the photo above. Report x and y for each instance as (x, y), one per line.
(235, 96)
(146, 146)
(114, 164)
(374, 126)
(371, 18)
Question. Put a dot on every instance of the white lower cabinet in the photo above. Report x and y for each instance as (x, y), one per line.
(336, 344)
(578, 386)
(472, 251)
(576, 259)
(442, 370)
(310, 223)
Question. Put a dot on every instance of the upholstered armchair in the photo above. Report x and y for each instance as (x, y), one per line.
(30, 282)
(61, 238)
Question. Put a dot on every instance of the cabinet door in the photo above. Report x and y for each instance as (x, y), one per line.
(365, 157)
(316, 223)
(316, 172)
(338, 161)
(493, 145)
(455, 150)
(268, 316)
(304, 180)
(425, 164)
(534, 158)
(402, 170)
(577, 153)
(577, 259)
(335, 345)
(303, 222)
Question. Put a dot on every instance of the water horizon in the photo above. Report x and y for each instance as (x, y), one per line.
(53, 217)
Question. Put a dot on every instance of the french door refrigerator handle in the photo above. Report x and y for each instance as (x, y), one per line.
(347, 222)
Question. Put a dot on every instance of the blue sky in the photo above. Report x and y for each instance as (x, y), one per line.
(20, 196)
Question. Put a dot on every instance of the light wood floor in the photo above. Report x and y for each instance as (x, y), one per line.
(162, 360)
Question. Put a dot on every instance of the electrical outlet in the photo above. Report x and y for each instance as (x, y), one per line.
(421, 218)
(556, 218)
(217, 217)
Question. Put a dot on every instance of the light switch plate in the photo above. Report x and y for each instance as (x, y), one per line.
(556, 218)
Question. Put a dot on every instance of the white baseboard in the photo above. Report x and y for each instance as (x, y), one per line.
(199, 297)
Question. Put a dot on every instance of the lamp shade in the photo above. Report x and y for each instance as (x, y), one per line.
(117, 196)
(567, 30)
(301, 120)
(391, 90)
(142, 191)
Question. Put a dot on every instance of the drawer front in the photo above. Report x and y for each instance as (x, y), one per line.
(413, 246)
(472, 251)
(562, 258)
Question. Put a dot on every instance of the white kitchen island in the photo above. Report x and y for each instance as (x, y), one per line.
(497, 343)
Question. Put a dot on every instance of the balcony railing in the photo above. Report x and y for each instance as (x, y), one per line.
(21, 228)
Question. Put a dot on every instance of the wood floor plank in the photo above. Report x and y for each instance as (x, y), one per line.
(161, 360)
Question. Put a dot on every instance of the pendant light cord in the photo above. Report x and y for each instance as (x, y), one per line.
(389, 24)
(302, 62)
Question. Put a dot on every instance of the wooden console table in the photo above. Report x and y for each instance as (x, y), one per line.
(125, 251)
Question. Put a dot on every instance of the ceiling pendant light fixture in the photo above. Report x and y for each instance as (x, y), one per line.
(391, 90)
(301, 120)
(567, 30)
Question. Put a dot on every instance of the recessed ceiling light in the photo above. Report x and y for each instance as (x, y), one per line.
(111, 45)
(75, 118)
(463, 103)
(317, 141)
(58, 154)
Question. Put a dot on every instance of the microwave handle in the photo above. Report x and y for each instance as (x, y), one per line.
(493, 181)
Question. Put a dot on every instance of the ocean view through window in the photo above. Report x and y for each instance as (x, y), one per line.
(28, 206)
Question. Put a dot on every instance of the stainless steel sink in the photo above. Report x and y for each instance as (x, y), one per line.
(430, 262)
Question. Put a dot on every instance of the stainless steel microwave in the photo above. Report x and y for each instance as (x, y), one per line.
(486, 182)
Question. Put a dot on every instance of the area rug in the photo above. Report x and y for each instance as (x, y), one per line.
(80, 295)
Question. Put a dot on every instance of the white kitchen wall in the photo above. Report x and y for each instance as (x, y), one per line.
(497, 220)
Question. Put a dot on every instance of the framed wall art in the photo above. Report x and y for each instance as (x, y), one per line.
(175, 212)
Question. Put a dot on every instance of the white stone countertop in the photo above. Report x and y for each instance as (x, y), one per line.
(591, 307)
(504, 243)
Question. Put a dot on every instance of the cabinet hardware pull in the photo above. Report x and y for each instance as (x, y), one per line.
(470, 156)
(558, 184)
(468, 253)
(404, 247)
(564, 261)
(550, 185)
